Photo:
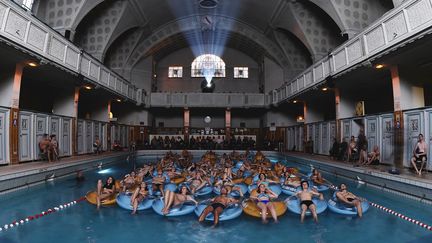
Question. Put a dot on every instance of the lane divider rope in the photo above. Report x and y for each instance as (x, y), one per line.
(19, 222)
(390, 211)
(414, 221)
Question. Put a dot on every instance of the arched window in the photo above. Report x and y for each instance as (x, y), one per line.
(208, 65)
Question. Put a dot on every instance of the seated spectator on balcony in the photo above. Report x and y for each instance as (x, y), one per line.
(153, 142)
(334, 151)
(53, 153)
(373, 157)
(219, 142)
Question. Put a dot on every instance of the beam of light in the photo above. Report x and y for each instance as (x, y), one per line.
(105, 171)
(206, 38)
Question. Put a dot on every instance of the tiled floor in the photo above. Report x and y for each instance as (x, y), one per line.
(381, 170)
(12, 169)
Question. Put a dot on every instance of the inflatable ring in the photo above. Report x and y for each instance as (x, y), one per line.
(124, 201)
(294, 205)
(289, 190)
(248, 181)
(91, 197)
(178, 180)
(180, 210)
(231, 212)
(251, 208)
(340, 208)
(238, 181)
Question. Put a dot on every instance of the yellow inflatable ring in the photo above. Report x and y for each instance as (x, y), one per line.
(248, 181)
(91, 198)
(238, 180)
(178, 180)
(251, 208)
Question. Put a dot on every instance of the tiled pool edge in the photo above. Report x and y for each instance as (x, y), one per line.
(415, 190)
(31, 177)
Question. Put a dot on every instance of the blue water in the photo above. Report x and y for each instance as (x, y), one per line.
(83, 223)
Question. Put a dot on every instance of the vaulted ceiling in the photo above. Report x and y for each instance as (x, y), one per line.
(293, 33)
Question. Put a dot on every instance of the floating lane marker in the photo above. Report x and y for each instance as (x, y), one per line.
(414, 221)
(19, 222)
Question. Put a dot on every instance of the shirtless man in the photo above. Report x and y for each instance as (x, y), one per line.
(291, 180)
(419, 153)
(217, 206)
(105, 191)
(138, 196)
(349, 199)
(174, 199)
(158, 182)
(306, 203)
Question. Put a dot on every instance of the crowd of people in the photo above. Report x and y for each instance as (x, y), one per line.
(201, 143)
(222, 173)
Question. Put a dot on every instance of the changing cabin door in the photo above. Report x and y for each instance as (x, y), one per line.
(65, 143)
(3, 137)
(387, 140)
(25, 144)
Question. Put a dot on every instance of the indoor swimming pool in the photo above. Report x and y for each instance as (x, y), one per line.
(83, 223)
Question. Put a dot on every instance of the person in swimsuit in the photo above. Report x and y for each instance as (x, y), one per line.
(217, 206)
(158, 182)
(173, 199)
(263, 195)
(291, 180)
(128, 182)
(138, 196)
(105, 191)
(349, 199)
(306, 202)
(196, 183)
(419, 154)
(317, 178)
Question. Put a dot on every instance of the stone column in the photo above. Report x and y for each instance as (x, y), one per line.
(228, 124)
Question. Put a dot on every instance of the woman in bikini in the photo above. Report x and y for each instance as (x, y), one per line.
(173, 199)
(138, 196)
(263, 196)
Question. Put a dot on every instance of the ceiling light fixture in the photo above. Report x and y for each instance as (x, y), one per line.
(32, 64)
(88, 87)
(208, 4)
(379, 66)
(324, 89)
(118, 100)
(294, 101)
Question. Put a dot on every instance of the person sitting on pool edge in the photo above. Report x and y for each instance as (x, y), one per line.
(263, 194)
(138, 196)
(217, 206)
(419, 154)
(306, 202)
(106, 190)
(349, 199)
(173, 199)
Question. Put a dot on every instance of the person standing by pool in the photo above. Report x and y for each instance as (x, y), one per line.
(349, 199)
(105, 191)
(263, 195)
(217, 206)
(306, 202)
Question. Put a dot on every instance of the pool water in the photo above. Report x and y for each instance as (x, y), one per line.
(83, 223)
